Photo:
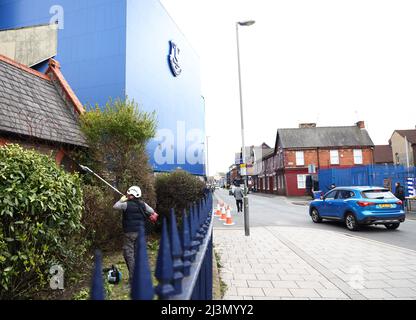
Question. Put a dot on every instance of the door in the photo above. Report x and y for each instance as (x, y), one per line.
(328, 205)
(340, 202)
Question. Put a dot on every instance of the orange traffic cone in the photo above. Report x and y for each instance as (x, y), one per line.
(218, 211)
(229, 219)
(223, 214)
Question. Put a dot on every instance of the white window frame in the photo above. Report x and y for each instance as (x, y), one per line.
(334, 156)
(275, 182)
(301, 179)
(358, 156)
(300, 158)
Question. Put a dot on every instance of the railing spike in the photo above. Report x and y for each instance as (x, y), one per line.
(176, 254)
(164, 266)
(186, 243)
(142, 286)
(97, 287)
(194, 235)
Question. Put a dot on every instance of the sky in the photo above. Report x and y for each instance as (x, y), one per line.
(328, 62)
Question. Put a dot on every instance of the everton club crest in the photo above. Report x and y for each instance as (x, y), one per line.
(174, 59)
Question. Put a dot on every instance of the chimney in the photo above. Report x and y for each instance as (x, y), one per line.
(360, 124)
(307, 125)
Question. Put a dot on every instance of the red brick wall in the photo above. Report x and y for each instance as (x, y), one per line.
(291, 177)
(55, 152)
(346, 157)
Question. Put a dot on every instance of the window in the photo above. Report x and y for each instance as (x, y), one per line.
(275, 183)
(331, 195)
(358, 156)
(300, 160)
(378, 194)
(334, 155)
(345, 194)
(302, 181)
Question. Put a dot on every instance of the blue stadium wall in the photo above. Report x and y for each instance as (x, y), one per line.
(114, 48)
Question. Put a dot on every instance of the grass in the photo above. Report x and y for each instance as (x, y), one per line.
(120, 291)
(223, 285)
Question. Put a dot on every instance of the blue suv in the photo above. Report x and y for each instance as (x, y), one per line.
(357, 206)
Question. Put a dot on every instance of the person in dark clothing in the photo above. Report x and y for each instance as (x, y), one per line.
(239, 195)
(135, 213)
(399, 193)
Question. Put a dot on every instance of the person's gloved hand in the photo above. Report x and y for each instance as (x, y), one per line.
(123, 199)
(153, 217)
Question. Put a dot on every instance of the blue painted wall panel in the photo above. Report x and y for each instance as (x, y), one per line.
(177, 100)
(91, 45)
(110, 48)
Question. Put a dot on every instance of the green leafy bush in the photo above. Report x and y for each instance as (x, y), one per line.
(176, 190)
(40, 212)
(102, 223)
(117, 135)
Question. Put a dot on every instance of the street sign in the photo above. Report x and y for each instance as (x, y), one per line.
(243, 169)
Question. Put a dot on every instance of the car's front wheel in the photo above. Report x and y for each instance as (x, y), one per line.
(392, 226)
(315, 216)
(351, 222)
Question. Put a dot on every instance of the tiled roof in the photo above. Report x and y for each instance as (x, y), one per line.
(383, 154)
(410, 134)
(324, 137)
(32, 105)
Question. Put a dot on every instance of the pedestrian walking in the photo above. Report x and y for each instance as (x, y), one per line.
(399, 193)
(135, 213)
(239, 195)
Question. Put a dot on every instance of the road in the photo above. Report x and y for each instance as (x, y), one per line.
(268, 210)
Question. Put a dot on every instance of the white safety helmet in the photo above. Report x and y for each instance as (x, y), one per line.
(135, 192)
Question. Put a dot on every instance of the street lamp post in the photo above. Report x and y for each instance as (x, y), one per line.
(207, 164)
(246, 207)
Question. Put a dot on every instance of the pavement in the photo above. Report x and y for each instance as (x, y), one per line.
(288, 257)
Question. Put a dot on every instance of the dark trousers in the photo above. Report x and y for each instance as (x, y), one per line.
(239, 205)
(129, 252)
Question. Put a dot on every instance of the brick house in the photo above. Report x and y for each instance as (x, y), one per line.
(266, 168)
(39, 111)
(403, 145)
(298, 150)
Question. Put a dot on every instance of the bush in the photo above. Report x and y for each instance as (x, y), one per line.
(117, 135)
(40, 212)
(177, 190)
(102, 224)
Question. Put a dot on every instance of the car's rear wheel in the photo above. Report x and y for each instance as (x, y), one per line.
(315, 216)
(392, 226)
(351, 222)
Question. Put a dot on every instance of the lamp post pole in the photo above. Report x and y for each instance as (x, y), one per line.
(243, 150)
(207, 164)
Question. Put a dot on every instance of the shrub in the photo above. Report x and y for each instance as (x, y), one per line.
(177, 190)
(102, 224)
(117, 135)
(40, 212)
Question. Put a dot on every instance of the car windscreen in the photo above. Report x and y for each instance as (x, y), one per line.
(378, 194)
